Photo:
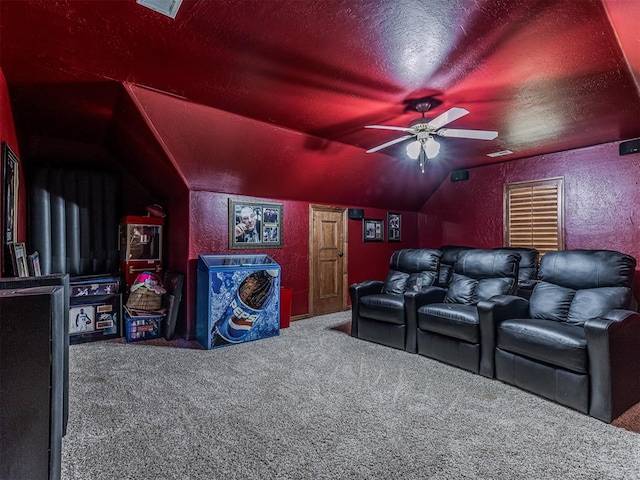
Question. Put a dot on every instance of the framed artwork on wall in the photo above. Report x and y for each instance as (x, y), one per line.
(372, 230)
(255, 224)
(9, 205)
(19, 259)
(394, 227)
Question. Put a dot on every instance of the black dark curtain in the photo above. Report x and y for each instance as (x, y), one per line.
(73, 220)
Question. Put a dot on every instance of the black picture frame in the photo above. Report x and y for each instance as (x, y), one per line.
(266, 231)
(10, 184)
(372, 230)
(95, 317)
(394, 227)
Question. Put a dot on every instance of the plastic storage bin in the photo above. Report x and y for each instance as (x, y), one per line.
(141, 326)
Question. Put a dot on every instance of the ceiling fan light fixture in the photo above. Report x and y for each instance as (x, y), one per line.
(413, 150)
(431, 148)
(421, 131)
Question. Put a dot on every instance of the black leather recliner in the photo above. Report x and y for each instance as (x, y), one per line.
(527, 270)
(378, 308)
(448, 321)
(449, 256)
(575, 341)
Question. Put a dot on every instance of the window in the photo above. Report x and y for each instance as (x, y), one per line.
(533, 215)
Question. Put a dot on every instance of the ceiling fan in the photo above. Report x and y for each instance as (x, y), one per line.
(424, 146)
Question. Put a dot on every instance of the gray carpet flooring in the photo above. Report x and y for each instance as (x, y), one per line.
(315, 403)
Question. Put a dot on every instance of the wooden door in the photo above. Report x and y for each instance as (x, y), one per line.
(327, 260)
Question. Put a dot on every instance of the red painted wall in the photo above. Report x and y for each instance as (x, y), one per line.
(370, 260)
(209, 235)
(601, 198)
(8, 134)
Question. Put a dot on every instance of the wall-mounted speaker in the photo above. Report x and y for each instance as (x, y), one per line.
(630, 146)
(356, 213)
(459, 175)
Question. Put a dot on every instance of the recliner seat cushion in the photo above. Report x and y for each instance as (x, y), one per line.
(395, 282)
(462, 289)
(553, 302)
(481, 274)
(489, 287)
(550, 302)
(453, 320)
(411, 269)
(469, 291)
(383, 307)
(595, 302)
(549, 341)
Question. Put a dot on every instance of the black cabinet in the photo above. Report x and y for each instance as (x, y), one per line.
(32, 345)
(61, 279)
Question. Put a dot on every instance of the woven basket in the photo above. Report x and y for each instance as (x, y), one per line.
(144, 299)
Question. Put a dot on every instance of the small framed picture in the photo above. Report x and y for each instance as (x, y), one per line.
(394, 227)
(19, 258)
(254, 224)
(82, 319)
(372, 230)
(33, 262)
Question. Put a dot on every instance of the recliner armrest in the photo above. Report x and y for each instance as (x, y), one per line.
(412, 302)
(613, 346)
(505, 306)
(357, 291)
(368, 287)
(490, 313)
(427, 295)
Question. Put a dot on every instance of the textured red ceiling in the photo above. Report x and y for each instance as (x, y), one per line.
(275, 94)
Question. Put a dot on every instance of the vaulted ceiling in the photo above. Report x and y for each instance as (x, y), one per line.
(269, 98)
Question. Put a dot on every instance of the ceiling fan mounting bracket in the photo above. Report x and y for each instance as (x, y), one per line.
(419, 125)
(423, 107)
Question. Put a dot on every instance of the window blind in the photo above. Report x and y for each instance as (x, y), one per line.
(533, 215)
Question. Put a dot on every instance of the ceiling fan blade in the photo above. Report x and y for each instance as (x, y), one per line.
(447, 117)
(389, 127)
(462, 133)
(388, 144)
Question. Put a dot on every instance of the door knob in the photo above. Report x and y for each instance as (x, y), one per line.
(340, 254)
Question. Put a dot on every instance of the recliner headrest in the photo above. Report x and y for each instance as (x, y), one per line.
(580, 269)
(414, 260)
(450, 253)
(528, 268)
(480, 264)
